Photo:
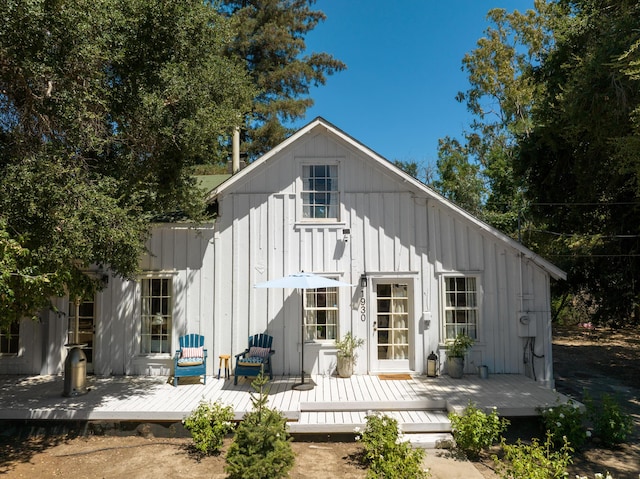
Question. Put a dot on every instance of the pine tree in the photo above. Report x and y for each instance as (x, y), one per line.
(261, 447)
(271, 43)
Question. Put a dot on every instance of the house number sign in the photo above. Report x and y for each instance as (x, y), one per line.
(363, 309)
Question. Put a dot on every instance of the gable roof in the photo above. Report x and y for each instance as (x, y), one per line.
(320, 122)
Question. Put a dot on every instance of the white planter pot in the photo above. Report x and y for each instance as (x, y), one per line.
(345, 367)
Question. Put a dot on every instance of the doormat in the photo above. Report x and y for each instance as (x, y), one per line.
(394, 377)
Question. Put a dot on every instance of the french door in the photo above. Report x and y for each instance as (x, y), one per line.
(391, 326)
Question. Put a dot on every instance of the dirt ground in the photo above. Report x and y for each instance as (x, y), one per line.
(595, 360)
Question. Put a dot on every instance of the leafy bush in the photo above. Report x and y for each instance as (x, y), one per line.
(208, 424)
(385, 452)
(261, 448)
(565, 421)
(610, 424)
(474, 430)
(534, 461)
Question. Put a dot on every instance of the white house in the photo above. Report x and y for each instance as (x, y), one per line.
(422, 268)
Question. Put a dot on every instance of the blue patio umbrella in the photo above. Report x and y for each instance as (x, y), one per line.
(303, 281)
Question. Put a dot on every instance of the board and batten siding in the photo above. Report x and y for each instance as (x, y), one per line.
(183, 253)
(394, 229)
(511, 286)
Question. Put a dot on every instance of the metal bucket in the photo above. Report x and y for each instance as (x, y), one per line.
(483, 372)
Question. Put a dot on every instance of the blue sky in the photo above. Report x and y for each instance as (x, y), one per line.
(404, 61)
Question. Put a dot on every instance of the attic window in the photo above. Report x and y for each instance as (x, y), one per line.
(320, 196)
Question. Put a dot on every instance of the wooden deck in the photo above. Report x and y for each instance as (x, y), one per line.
(334, 405)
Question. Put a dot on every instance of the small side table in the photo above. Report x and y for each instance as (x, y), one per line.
(227, 371)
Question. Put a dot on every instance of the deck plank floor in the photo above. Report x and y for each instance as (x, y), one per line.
(333, 405)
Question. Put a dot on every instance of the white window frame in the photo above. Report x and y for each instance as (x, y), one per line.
(461, 306)
(157, 315)
(334, 191)
(313, 329)
(14, 340)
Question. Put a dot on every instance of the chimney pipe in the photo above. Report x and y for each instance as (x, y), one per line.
(235, 150)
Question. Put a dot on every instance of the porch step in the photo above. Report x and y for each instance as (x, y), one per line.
(337, 421)
(432, 440)
(402, 405)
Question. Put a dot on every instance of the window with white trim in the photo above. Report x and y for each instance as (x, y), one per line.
(157, 315)
(461, 306)
(80, 329)
(9, 340)
(320, 195)
(321, 314)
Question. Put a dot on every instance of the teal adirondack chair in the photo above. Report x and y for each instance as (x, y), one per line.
(191, 358)
(256, 358)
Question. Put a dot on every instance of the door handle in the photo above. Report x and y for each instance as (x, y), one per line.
(375, 325)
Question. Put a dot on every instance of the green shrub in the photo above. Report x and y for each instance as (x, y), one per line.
(208, 424)
(534, 461)
(565, 421)
(610, 424)
(474, 430)
(385, 452)
(261, 448)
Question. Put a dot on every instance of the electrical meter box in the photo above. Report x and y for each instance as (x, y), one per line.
(527, 324)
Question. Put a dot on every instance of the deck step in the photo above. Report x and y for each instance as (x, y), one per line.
(432, 440)
(402, 405)
(334, 422)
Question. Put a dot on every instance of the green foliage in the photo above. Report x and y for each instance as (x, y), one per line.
(555, 142)
(208, 424)
(474, 430)
(348, 345)
(270, 42)
(59, 219)
(565, 423)
(459, 178)
(534, 461)
(459, 346)
(104, 105)
(610, 423)
(261, 448)
(581, 158)
(386, 454)
(409, 167)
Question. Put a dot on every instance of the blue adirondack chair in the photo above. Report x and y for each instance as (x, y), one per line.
(191, 358)
(256, 358)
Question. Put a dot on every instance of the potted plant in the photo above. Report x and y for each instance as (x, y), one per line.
(455, 354)
(347, 355)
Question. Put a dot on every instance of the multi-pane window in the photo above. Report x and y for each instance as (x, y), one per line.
(320, 197)
(392, 321)
(9, 340)
(461, 308)
(321, 314)
(156, 315)
(80, 329)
